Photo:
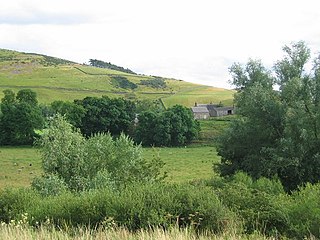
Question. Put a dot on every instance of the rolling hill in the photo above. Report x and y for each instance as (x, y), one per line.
(58, 79)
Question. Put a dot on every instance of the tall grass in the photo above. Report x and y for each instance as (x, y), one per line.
(9, 232)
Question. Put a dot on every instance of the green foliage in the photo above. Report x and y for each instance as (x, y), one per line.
(72, 111)
(14, 202)
(122, 82)
(49, 185)
(304, 211)
(106, 115)
(20, 116)
(259, 203)
(27, 96)
(172, 127)
(154, 83)
(149, 105)
(102, 64)
(260, 206)
(134, 207)
(278, 131)
(83, 163)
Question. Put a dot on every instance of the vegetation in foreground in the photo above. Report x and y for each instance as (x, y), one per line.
(9, 232)
(239, 203)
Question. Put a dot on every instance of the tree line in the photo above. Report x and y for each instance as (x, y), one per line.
(22, 119)
(108, 65)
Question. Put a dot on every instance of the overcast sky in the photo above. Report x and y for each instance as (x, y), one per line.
(196, 40)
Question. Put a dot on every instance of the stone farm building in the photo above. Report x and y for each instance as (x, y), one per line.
(204, 111)
(200, 112)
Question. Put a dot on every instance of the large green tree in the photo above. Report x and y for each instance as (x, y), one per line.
(106, 115)
(277, 133)
(72, 111)
(20, 117)
(172, 127)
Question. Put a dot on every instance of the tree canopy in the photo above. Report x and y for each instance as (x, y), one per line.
(106, 115)
(102, 64)
(277, 133)
(20, 117)
(172, 127)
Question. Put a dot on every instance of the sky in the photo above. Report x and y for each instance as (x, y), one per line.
(193, 40)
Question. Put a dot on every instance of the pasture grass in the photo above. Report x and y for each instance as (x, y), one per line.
(199, 94)
(212, 128)
(19, 165)
(184, 164)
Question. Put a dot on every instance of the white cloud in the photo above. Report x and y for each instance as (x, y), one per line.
(193, 40)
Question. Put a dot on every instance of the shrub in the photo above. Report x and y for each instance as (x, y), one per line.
(122, 82)
(83, 163)
(15, 202)
(49, 185)
(258, 203)
(154, 83)
(135, 207)
(304, 211)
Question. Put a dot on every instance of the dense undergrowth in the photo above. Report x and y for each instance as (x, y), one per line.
(238, 203)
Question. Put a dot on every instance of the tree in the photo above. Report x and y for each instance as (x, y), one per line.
(72, 111)
(83, 163)
(173, 127)
(106, 115)
(277, 132)
(27, 96)
(20, 117)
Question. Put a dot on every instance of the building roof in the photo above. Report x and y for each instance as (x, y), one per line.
(199, 110)
(224, 108)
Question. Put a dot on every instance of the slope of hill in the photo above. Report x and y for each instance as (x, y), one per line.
(59, 79)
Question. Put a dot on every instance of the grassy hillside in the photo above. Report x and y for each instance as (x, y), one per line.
(54, 78)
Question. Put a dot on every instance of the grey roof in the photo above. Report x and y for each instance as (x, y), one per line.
(200, 110)
(224, 108)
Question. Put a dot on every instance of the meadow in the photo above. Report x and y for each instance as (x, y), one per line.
(182, 164)
(21, 164)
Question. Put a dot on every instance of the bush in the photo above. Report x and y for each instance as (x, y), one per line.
(49, 185)
(304, 211)
(15, 202)
(122, 82)
(154, 83)
(135, 207)
(83, 163)
(259, 203)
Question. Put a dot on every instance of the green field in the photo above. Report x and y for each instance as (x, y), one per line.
(57, 79)
(19, 165)
(182, 164)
